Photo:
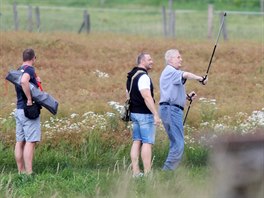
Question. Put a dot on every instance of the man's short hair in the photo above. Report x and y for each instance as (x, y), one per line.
(28, 54)
(140, 57)
(169, 54)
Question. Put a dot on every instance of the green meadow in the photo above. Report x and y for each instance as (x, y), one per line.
(85, 148)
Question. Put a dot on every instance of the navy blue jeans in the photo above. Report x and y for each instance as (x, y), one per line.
(171, 117)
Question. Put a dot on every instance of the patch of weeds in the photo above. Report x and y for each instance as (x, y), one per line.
(196, 155)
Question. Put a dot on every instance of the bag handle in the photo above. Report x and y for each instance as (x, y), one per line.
(138, 72)
(39, 84)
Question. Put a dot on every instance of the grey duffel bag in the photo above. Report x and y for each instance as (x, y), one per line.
(41, 97)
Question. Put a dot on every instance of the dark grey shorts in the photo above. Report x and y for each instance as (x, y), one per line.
(26, 129)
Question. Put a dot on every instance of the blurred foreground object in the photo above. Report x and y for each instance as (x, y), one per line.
(238, 163)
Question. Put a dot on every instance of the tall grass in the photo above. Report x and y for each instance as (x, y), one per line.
(95, 168)
(85, 183)
(84, 73)
(93, 149)
(84, 150)
(235, 64)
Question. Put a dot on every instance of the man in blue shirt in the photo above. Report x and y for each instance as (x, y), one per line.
(28, 131)
(172, 101)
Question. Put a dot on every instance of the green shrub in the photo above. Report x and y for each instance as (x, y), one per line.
(160, 152)
(7, 159)
(8, 124)
(195, 155)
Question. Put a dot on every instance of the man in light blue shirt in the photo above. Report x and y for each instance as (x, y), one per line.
(172, 101)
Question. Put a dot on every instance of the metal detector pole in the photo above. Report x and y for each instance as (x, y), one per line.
(220, 30)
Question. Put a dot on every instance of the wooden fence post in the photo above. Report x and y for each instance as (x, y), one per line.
(262, 5)
(169, 18)
(37, 18)
(224, 26)
(89, 23)
(86, 19)
(86, 22)
(173, 21)
(238, 166)
(210, 21)
(171, 27)
(15, 17)
(164, 17)
(30, 21)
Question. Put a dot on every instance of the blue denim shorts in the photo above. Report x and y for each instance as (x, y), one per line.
(26, 129)
(143, 128)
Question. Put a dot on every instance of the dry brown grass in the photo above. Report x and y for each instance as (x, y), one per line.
(66, 62)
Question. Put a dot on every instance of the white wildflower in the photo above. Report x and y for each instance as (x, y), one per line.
(202, 99)
(109, 114)
(100, 74)
(204, 124)
(220, 127)
(73, 115)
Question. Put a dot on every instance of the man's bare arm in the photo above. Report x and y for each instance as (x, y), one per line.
(25, 86)
(150, 104)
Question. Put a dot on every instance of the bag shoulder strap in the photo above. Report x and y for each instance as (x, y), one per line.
(22, 67)
(138, 72)
(35, 75)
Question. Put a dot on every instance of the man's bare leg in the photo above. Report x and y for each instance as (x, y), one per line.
(28, 156)
(19, 148)
(146, 153)
(134, 154)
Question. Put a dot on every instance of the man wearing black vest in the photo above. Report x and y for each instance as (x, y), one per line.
(144, 115)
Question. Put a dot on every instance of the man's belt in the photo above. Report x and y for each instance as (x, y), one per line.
(166, 103)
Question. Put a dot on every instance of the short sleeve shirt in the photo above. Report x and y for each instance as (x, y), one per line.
(144, 82)
(21, 97)
(172, 89)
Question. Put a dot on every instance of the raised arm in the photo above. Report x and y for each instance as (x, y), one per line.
(191, 76)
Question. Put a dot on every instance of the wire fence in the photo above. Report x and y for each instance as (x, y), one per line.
(188, 24)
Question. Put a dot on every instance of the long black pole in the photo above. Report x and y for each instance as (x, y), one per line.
(210, 62)
(220, 30)
(190, 99)
(187, 112)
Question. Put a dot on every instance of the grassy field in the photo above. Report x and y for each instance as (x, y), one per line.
(75, 58)
(85, 148)
(146, 21)
(112, 184)
(247, 5)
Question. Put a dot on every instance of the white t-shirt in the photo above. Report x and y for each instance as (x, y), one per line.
(144, 82)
